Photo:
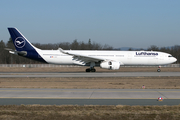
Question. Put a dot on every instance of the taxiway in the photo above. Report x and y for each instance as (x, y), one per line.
(89, 96)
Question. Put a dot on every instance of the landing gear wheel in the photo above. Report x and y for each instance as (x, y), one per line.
(88, 70)
(93, 70)
(158, 70)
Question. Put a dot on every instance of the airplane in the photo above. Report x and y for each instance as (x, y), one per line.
(111, 60)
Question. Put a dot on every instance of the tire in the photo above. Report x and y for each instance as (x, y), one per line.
(93, 70)
(88, 70)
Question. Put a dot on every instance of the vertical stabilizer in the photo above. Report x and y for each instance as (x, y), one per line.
(23, 46)
(19, 41)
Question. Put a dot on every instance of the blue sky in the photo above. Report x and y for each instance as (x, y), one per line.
(118, 23)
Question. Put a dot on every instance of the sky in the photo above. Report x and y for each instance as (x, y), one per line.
(118, 23)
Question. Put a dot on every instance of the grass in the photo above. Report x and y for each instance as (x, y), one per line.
(93, 83)
(37, 112)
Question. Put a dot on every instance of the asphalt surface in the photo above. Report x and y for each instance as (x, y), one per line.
(28, 101)
(18, 96)
(84, 74)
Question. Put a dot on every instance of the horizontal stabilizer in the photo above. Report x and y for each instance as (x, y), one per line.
(21, 53)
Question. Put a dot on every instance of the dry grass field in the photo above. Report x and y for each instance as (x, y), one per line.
(119, 112)
(93, 83)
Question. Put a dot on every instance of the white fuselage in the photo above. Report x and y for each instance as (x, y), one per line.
(124, 57)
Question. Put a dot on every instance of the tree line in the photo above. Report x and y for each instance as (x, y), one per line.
(7, 58)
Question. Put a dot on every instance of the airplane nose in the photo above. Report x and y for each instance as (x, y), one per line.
(174, 59)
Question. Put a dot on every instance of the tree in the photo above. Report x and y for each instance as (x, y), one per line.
(89, 45)
(75, 45)
(2, 52)
(107, 47)
(130, 49)
(153, 48)
(64, 45)
(9, 57)
(83, 46)
(96, 46)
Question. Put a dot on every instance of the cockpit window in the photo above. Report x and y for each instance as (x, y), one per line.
(170, 56)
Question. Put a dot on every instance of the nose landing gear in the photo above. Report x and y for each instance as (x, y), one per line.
(159, 70)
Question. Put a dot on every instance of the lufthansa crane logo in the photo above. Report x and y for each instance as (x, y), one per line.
(19, 42)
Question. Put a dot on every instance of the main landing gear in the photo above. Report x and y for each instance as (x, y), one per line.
(91, 69)
(159, 70)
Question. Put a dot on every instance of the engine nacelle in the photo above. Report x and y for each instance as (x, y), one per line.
(111, 65)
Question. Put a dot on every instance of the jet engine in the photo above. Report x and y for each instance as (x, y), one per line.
(111, 65)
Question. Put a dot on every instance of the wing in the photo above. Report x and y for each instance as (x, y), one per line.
(82, 59)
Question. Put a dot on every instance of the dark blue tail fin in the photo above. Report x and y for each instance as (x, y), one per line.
(23, 46)
(20, 42)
